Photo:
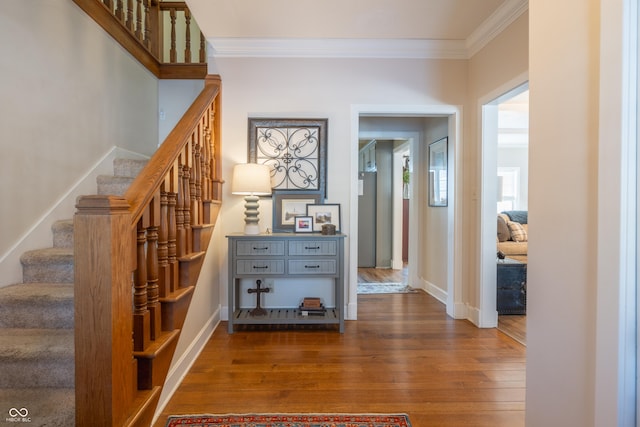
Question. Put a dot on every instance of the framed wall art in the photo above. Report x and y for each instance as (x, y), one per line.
(304, 224)
(438, 171)
(324, 214)
(295, 151)
(287, 206)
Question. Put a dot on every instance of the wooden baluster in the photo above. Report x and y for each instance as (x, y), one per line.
(206, 160)
(139, 19)
(108, 4)
(174, 282)
(164, 280)
(187, 35)
(147, 24)
(196, 195)
(180, 230)
(119, 13)
(173, 51)
(203, 49)
(141, 317)
(129, 23)
(153, 303)
(186, 176)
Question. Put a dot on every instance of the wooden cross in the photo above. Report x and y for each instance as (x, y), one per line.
(258, 311)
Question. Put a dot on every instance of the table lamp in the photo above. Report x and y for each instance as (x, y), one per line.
(251, 180)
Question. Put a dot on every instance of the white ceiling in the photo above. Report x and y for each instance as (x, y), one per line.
(405, 28)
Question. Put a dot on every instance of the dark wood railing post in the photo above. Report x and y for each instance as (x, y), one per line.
(105, 376)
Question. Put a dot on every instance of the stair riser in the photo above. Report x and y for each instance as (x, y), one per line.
(31, 315)
(63, 234)
(128, 167)
(37, 373)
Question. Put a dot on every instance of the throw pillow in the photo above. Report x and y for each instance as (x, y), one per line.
(518, 233)
(503, 231)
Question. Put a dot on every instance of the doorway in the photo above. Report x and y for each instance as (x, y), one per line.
(505, 145)
(409, 124)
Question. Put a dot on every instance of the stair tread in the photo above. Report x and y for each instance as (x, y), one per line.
(52, 254)
(52, 407)
(28, 344)
(37, 292)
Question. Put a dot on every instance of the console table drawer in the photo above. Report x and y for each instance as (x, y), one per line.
(260, 248)
(313, 247)
(260, 266)
(312, 266)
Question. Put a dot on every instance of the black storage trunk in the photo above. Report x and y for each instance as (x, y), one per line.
(512, 287)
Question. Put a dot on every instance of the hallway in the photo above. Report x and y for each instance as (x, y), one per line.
(404, 354)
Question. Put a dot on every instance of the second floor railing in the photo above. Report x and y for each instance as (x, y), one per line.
(162, 35)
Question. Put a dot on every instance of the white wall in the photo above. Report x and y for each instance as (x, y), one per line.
(285, 87)
(69, 94)
(574, 324)
(496, 69)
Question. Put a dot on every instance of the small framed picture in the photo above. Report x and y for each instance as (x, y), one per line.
(324, 214)
(304, 224)
(287, 206)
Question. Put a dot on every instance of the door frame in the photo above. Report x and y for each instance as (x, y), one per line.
(453, 297)
(487, 314)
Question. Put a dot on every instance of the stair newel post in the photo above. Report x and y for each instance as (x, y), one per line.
(104, 364)
(141, 316)
(164, 279)
(153, 301)
(216, 165)
(206, 163)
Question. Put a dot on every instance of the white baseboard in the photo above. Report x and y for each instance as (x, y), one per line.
(180, 368)
(40, 234)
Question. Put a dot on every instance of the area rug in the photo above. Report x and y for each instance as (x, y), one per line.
(384, 288)
(290, 420)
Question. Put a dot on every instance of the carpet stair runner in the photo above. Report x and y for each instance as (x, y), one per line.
(36, 323)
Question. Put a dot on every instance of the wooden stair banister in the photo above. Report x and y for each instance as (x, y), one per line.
(137, 260)
(138, 27)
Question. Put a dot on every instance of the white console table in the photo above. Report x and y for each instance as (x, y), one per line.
(285, 255)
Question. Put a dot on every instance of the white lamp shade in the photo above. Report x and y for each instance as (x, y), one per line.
(251, 179)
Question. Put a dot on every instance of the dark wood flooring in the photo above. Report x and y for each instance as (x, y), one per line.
(404, 354)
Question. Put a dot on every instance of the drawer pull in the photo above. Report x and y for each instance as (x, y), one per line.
(311, 266)
(260, 249)
(312, 247)
(260, 267)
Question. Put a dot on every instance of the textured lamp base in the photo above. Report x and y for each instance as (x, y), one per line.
(251, 215)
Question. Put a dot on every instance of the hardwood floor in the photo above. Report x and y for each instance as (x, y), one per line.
(403, 354)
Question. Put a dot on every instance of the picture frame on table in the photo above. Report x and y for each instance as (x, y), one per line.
(287, 206)
(438, 173)
(327, 213)
(303, 224)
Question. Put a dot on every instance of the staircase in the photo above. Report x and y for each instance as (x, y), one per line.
(37, 320)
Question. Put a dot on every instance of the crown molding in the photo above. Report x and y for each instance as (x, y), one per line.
(337, 48)
(248, 47)
(495, 24)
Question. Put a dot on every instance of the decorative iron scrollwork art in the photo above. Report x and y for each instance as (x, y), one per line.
(294, 150)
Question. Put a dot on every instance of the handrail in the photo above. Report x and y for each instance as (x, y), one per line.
(141, 31)
(162, 161)
(137, 261)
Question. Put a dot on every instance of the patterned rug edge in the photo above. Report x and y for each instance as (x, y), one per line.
(206, 420)
(384, 288)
